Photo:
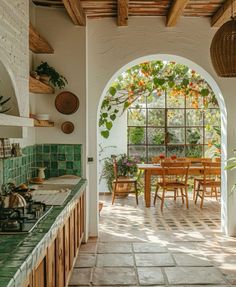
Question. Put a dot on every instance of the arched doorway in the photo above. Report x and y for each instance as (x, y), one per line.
(222, 107)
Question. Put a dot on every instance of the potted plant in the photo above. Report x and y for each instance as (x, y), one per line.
(126, 166)
(49, 74)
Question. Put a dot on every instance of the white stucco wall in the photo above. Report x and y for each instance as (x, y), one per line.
(110, 48)
(115, 144)
(69, 60)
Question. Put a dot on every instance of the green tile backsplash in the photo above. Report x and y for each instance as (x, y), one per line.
(59, 159)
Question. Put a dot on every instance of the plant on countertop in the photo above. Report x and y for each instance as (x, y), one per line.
(55, 78)
(2, 103)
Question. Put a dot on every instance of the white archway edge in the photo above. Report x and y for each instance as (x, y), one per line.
(221, 102)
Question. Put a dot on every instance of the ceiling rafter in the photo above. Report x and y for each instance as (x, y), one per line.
(75, 11)
(223, 14)
(122, 12)
(176, 10)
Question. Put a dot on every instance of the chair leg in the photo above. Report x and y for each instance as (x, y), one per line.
(194, 188)
(113, 198)
(203, 194)
(197, 193)
(182, 195)
(175, 192)
(162, 199)
(155, 197)
(186, 195)
(136, 192)
(216, 194)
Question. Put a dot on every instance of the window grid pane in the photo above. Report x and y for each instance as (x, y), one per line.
(170, 125)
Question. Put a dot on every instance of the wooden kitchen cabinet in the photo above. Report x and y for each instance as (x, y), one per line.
(55, 267)
(40, 275)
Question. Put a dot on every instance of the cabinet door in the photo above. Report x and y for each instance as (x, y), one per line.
(67, 249)
(76, 229)
(51, 265)
(72, 239)
(40, 274)
(60, 258)
(29, 281)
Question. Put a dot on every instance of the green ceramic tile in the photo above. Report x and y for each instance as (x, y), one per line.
(69, 149)
(77, 157)
(54, 165)
(54, 148)
(61, 157)
(61, 165)
(76, 164)
(46, 148)
(62, 171)
(69, 165)
(70, 157)
(77, 149)
(61, 149)
(54, 172)
(39, 148)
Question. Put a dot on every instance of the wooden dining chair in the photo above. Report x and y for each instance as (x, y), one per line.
(211, 180)
(123, 185)
(196, 179)
(174, 177)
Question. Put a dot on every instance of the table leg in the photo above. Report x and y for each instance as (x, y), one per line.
(147, 188)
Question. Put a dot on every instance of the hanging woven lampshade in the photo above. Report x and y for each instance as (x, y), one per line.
(223, 50)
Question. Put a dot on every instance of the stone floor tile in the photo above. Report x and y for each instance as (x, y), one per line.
(112, 260)
(114, 276)
(148, 248)
(85, 260)
(80, 276)
(90, 247)
(194, 275)
(154, 259)
(114, 247)
(150, 276)
(191, 260)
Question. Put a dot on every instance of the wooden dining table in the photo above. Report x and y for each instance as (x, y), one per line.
(155, 169)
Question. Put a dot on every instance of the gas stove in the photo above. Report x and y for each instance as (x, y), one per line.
(22, 219)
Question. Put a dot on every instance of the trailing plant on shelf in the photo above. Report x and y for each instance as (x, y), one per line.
(3, 101)
(54, 77)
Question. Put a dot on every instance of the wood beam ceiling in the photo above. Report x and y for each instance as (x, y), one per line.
(175, 12)
(223, 14)
(75, 11)
(37, 43)
(122, 12)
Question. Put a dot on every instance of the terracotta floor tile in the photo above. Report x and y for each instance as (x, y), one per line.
(148, 248)
(115, 247)
(154, 259)
(118, 260)
(114, 276)
(150, 275)
(80, 276)
(194, 275)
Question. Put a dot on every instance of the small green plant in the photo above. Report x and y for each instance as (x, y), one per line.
(55, 78)
(2, 103)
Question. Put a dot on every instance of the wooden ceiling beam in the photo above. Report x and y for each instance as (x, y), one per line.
(223, 14)
(75, 11)
(37, 43)
(122, 12)
(175, 12)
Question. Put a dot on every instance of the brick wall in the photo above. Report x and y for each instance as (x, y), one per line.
(14, 50)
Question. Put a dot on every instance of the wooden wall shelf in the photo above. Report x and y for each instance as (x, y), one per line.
(37, 43)
(38, 87)
(43, 124)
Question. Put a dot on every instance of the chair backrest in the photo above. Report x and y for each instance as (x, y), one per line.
(175, 170)
(155, 159)
(212, 170)
(115, 168)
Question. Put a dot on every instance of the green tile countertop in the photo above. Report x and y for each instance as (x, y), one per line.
(19, 253)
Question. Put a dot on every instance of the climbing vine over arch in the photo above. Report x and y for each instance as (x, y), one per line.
(150, 79)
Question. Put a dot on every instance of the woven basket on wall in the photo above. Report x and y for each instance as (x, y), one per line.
(223, 50)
